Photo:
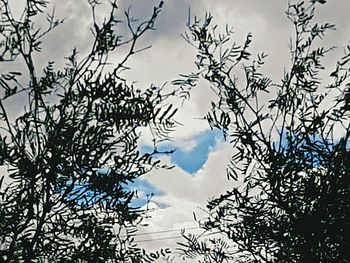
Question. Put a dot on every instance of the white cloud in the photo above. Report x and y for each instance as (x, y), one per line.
(171, 55)
(184, 194)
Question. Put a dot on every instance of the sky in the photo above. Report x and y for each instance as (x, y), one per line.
(201, 154)
(201, 160)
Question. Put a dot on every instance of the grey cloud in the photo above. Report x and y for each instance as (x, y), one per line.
(172, 20)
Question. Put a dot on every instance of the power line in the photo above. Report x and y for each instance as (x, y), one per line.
(164, 231)
(174, 237)
(156, 239)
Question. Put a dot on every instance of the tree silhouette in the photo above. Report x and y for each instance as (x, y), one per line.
(291, 194)
(72, 152)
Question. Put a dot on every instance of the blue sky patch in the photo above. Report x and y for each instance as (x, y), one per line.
(147, 188)
(190, 156)
(191, 159)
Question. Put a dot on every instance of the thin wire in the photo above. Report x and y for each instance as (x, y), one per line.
(174, 237)
(156, 239)
(164, 231)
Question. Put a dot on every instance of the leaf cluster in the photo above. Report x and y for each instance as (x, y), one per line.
(290, 166)
(72, 153)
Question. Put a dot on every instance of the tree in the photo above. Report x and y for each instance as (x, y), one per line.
(291, 196)
(72, 152)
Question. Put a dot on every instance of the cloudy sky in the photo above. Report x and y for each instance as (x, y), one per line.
(202, 155)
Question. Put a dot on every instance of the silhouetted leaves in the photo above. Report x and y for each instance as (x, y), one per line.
(290, 199)
(72, 153)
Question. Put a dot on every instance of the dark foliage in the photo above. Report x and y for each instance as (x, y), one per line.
(291, 199)
(73, 152)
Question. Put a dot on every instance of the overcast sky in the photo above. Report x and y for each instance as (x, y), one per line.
(202, 154)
